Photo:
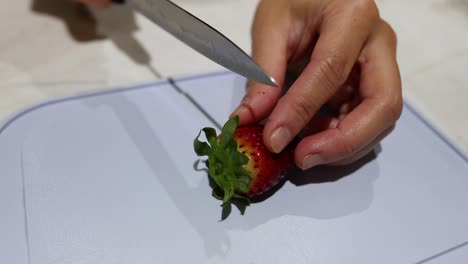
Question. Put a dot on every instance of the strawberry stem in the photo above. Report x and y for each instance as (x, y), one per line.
(225, 163)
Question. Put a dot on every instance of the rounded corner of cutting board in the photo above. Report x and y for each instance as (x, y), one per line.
(17, 115)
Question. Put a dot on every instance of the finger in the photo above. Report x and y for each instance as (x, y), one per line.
(319, 124)
(346, 91)
(269, 50)
(342, 37)
(381, 106)
(349, 106)
(363, 152)
(343, 95)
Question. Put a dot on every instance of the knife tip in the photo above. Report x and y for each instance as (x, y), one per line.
(272, 82)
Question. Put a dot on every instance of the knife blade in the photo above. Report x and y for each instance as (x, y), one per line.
(201, 37)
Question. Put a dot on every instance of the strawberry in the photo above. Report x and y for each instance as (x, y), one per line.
(239, 163)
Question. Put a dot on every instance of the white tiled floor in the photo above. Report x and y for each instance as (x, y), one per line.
(40, 58)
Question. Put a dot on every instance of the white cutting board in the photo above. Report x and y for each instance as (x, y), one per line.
(111, 178)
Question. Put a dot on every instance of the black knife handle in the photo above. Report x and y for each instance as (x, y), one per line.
(118, 2)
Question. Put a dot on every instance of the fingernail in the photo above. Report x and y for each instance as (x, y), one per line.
(311, 161)
(279, 139)
(240, 111)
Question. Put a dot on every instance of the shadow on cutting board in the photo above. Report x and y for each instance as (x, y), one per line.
(117, 24)
(321, 193)
(333, 194)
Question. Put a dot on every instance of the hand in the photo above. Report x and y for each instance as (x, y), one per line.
(96, 3)
(346, 59)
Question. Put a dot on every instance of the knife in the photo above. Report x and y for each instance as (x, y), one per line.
(200, 36)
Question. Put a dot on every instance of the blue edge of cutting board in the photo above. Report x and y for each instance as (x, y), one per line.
(11, 119)
(8, 121)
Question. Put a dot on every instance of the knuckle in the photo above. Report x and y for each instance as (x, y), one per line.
(332, 70)
(396, 111)
(394, 108)
(367, 8)
(302, 109)
(390, 33)
(347, 146)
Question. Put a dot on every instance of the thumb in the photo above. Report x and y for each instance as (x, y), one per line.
(269, 50)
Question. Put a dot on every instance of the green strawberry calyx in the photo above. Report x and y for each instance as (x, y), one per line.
(225, 163)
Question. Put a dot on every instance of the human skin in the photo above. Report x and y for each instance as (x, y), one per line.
(344, 57)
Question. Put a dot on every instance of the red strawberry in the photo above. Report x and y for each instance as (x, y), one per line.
(239, 163)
